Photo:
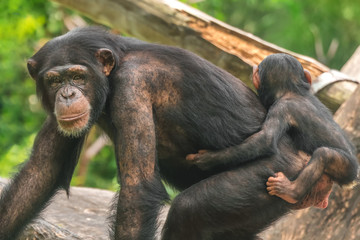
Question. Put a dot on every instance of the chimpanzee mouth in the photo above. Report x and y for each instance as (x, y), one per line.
(73, 117)
(74, 124)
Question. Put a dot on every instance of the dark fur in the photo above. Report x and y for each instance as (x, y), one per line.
(158, 104)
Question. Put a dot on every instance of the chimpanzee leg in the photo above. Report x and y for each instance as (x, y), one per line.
(230, 205)
(49, 168)
(337, 164)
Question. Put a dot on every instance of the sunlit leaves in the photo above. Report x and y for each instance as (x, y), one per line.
(22, 24)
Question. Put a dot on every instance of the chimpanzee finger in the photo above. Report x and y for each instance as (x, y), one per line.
(190, 157)
(202, 151)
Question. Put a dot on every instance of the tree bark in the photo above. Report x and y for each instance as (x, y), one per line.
(351, 67)
(348, 117)
(83, 215)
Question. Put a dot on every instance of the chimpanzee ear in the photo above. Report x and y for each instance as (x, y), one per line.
(308, 76)
(106, 58)
(32, 68)
(256, 77)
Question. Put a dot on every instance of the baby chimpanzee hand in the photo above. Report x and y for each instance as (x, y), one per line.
(204, 159)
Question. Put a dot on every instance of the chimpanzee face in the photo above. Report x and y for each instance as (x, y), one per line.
(68, 86)
(74, 93)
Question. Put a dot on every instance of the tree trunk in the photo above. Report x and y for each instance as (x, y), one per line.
(174, 23)
(348, 117)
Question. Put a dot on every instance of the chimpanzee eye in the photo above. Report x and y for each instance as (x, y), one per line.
(55, 82)
(78, 80)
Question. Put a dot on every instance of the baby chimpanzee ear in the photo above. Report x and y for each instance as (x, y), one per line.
(106, 58)
(256, 77)
(308, 76)
(32, 68)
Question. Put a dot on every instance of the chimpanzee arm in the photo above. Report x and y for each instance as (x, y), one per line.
(142, 192)
(260, 144)
(49, 168)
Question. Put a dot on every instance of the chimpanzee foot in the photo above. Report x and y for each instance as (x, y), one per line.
(282, 187)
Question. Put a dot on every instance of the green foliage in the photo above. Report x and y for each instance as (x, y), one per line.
(22, 25)
(297, 25)
(15, 156)
(102, 170)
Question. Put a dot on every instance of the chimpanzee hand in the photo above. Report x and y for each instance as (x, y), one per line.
(204, 159)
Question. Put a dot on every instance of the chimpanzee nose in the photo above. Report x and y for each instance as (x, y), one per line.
(68, 94)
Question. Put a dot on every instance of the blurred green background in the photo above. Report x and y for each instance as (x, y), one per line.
(327, 30)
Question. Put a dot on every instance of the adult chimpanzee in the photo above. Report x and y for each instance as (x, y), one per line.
(284, 89)
(157, 104)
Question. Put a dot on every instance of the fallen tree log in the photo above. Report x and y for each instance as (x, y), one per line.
(174, 23)
(335, 94)
(81, 216)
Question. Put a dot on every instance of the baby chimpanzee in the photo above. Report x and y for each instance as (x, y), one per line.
(284, 89)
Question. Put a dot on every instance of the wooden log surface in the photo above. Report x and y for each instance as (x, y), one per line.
(81, 216)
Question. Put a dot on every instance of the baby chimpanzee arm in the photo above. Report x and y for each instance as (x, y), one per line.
(260, 144)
